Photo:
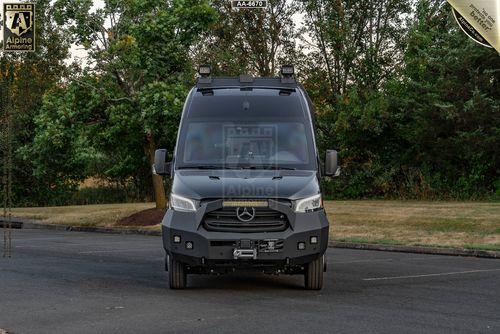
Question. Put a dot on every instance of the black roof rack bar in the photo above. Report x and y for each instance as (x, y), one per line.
(245, 81)
(204, 88)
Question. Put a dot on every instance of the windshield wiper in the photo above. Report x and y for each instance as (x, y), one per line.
(205, 167)
(274, 167)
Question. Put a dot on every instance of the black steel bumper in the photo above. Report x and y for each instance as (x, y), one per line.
(217, 248)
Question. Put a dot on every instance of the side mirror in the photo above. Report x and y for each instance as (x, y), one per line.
(331, 163)
(161, 166)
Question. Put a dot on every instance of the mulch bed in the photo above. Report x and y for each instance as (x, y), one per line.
(147, 217)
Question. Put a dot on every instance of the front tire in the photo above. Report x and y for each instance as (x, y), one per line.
(313, 276)
(177, 276)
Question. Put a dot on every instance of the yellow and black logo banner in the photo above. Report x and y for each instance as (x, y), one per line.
(19, 26)
(479, 19)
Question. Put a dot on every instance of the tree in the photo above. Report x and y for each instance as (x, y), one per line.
(250, 41)
(356, 47)
(449, 121)
(357, 43)
(429, 126)
(32, 75)
(409, 100)
(139, 66)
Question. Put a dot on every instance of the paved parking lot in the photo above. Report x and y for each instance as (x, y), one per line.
(73, 282)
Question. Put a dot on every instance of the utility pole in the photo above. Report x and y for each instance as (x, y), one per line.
(7, 77)
(12, 29)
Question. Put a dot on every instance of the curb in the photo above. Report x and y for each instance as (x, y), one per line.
(112, 230)
(26, 223)
(418, 249)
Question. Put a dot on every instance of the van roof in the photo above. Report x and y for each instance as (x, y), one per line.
(245, 81)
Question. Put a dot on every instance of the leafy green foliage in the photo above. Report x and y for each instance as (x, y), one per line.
(110, 117)
(430, 132)
(409, 101)
(254, 42)
(450, 110)
(26, 77)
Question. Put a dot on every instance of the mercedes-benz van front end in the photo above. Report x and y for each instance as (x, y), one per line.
(245, 191)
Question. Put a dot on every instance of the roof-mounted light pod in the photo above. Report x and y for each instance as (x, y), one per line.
(204, 70)
(287, 74)
(287, 70)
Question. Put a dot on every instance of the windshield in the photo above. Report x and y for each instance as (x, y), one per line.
(227, 144)
(258, 128)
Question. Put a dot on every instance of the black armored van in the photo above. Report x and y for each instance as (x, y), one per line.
(245, 173)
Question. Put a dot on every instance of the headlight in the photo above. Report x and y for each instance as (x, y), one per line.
(180, 203)
(308, 204)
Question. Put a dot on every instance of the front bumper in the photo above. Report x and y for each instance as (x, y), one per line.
(217, 248)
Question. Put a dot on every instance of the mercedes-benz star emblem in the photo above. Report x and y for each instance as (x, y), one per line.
(245, 214)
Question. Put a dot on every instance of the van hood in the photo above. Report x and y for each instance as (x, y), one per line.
(202, 184)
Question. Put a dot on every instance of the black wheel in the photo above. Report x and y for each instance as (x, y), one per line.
(176, 274)
(313, 276)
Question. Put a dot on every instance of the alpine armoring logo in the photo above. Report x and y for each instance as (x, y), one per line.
(19, 27)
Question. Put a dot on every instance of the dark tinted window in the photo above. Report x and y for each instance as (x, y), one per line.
(246, 128)
(238, 104)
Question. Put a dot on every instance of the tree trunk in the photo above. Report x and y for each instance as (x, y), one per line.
(158, 188)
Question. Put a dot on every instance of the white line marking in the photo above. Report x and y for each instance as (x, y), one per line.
(360, 261)
(386, 260)
(429, 275)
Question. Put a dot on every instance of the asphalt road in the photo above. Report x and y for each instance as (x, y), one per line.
(72, 282)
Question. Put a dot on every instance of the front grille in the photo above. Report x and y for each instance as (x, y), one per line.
(226, 220)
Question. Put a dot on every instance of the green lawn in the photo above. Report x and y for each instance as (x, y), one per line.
(446, 224)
